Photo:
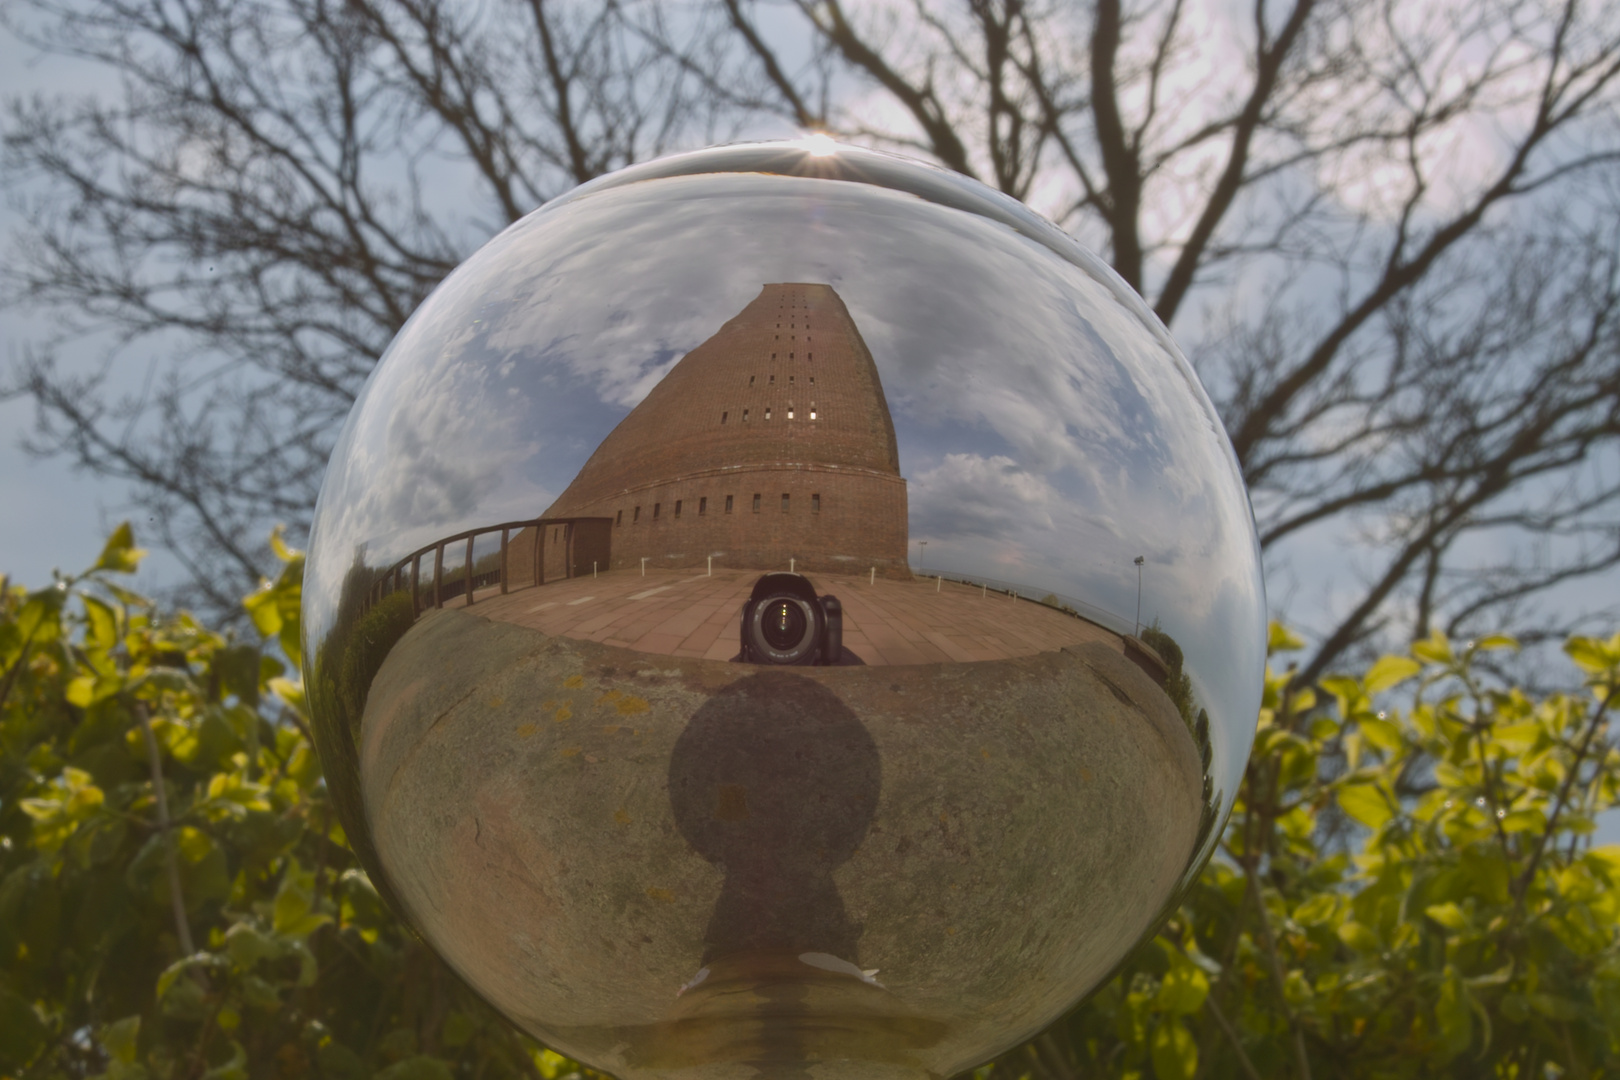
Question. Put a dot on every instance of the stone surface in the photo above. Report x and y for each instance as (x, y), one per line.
(583, 830)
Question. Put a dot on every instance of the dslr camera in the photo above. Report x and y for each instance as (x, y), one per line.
(785, 622)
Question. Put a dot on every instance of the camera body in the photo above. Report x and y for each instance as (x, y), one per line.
(785, 622)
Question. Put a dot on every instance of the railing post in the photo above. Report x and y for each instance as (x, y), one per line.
(438, 574)
(469, 575)
(416, 585)
(504, 531)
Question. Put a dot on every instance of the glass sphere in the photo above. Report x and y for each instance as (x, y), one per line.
(783, 610)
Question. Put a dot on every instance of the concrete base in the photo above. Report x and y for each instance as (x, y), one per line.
(671, 867)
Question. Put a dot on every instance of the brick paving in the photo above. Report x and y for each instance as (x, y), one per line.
(679, 613)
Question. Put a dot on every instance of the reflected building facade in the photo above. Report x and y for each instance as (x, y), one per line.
(768, 445)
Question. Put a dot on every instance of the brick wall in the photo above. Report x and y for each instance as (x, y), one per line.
(783, 400)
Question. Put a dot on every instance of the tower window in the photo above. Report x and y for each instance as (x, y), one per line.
(703, 505)
(815, 504)
(812, 410)
(635, 516)
(784, 502)
(728, 504)
(723, 417)
(678, 507)
(790, 356)
(773, 357)
(773, 377)
(812, 380)
(767, 413)
(790, 412)
(790, 380)
(656, 507)
(750, 380)
(618, 519)
(756, 502)
(745, 416)
(809, 356)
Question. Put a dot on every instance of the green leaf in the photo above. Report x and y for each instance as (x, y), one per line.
(1594, 655)
(1390, 671)
(22, 1032)
(119, 554)
(1365, 803)
(1448, 915)
(422, 1067)
(1454, 1019)
(1183, 990)
(119, 1039)
(1317, 910)
(1281, 639)
(1175, 1054)
(1434, 649)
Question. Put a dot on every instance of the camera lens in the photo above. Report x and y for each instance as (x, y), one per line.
(784, 624)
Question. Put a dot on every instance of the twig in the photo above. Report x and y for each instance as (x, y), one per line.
(1523, 883)
(171, 852)
(1232, 1037)
(1275, 964)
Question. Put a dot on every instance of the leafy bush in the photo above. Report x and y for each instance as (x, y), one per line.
(1401, 891)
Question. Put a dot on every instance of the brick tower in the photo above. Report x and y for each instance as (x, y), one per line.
(770, 441)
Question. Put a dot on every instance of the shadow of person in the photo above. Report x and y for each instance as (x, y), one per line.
(775, 781)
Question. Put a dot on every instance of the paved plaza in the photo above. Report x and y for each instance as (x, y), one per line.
(679, 613)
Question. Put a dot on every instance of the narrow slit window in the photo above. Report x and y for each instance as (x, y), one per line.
(703, 505)
(635, 516)
(618, 519)
(784, 502)
(678, 507)
(756, 502)
(723, 417)
(812, 412)
(815, 504)
(728, 503)
(750, 380)
(767, 413)
(656, 507)
(773, 377)
(745, 416)
(790, 380)
(790, 412)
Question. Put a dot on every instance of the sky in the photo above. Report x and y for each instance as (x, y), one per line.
(56, 516)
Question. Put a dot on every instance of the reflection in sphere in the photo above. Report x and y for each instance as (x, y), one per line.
(783, 611)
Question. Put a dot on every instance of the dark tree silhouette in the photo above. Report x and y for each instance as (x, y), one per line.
(1385, 232)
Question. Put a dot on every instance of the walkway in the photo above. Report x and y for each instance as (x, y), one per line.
(679, 613)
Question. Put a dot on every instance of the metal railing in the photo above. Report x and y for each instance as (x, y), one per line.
(464, 580)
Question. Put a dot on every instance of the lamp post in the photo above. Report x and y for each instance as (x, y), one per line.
(1139, 561)
(922, 553)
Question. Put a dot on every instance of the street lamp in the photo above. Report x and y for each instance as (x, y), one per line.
(1139, 561)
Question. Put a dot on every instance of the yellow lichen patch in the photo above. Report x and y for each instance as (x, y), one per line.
(495, 702)
(630, 705)
(568, 751)
(525, 730)
(574, 682)
(663, 896)
(564, 713)
(621, 816)
(611, 695)
(984, 752)
(548, 705)
(950, 931)
(1086, 774)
